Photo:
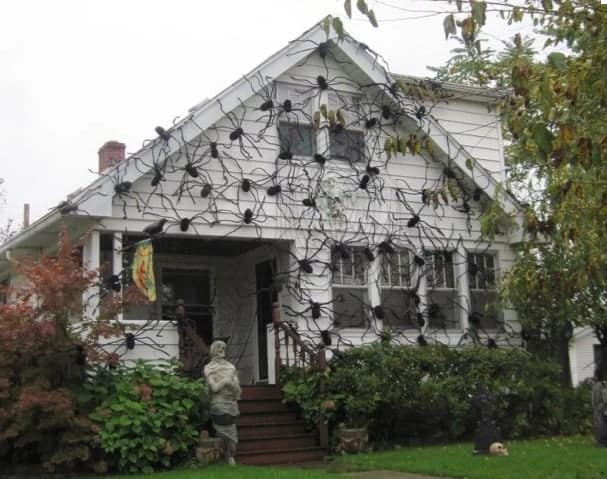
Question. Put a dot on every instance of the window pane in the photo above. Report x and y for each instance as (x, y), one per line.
(399, 308)
(347, 145)
(440, 273)
(442, 310)
(351, 269)
(349, 307)
(395, 270)
(484, 304)
(482, 265)
(298, 139)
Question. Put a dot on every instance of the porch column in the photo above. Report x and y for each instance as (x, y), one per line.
(117, 263)
(91, 252)
(374, 290)
(422, 292)
(460, 266)
(573, 361)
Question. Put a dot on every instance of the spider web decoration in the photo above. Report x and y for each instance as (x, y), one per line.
(371, 228)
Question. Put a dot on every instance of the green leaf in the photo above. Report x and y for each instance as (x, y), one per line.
(372, 19)
(326, 24)
(543, 138)
(469, 164)
(340, 117)
(479, 9)
(362, 6)
(557, 60)
(338, 26)
(323, 111)
(459, 3)
(388, 147)
(449, 25)
(547, 4)
(348, 8)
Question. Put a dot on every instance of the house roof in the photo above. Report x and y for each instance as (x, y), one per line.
(95, 200)
(475, 93)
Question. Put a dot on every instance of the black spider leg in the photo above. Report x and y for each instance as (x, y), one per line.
(305, 265)
(323, 49)
(190, 152)
(157, 168)
(238, 132)
(268, 101)
(248, 218)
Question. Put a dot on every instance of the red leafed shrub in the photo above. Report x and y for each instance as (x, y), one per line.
(45, 345)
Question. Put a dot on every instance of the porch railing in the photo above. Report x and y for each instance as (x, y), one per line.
(290, 350)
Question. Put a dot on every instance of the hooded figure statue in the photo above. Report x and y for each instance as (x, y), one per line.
(224, 389)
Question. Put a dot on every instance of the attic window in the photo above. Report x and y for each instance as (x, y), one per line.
(296, 138)
(347, 145)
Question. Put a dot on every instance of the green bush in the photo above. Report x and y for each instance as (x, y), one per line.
(151, 416)
(411, 394)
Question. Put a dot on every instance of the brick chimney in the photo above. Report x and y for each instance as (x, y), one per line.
(110, 153)
(26, 215)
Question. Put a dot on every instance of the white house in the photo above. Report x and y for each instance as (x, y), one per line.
(584, 354)
(291, 187)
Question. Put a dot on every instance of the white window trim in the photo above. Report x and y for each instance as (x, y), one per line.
(496, 276)
(370, 272)
(314, 140)
(414, 273)
(458, 290)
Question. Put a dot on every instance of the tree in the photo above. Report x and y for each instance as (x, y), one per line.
(555, 122)
(45, 347)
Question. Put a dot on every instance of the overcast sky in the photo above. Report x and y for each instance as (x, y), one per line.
(75, 74)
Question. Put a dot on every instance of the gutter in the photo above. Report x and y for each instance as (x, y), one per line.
(473, 93)
(29, 232)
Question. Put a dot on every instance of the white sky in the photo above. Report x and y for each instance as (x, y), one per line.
(74, 74)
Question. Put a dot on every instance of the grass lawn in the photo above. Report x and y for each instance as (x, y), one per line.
(574, 457)
(234, 472)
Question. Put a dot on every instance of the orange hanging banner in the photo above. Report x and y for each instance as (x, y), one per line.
(143, 269)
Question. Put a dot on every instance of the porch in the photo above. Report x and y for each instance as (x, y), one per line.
(207, 289)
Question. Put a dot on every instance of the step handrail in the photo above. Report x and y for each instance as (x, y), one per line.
(303, 355)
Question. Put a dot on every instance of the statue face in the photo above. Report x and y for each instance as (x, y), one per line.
(218, 349)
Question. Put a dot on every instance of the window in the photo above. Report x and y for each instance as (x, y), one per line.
(396, 295)
(483, 294)
(347, 145)
(350, 291)
(442, 294)
(299, 139)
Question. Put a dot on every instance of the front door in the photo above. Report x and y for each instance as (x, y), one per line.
(186, 300)
(265, 296)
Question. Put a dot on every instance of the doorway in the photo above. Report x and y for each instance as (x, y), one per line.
(266, 295)
(186, 300)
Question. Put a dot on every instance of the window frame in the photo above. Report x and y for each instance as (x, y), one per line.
(429, 255)
(362, 154)
(486, 290)
(350, 127)
(297, 125)
(412, 273)
(346, 286)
